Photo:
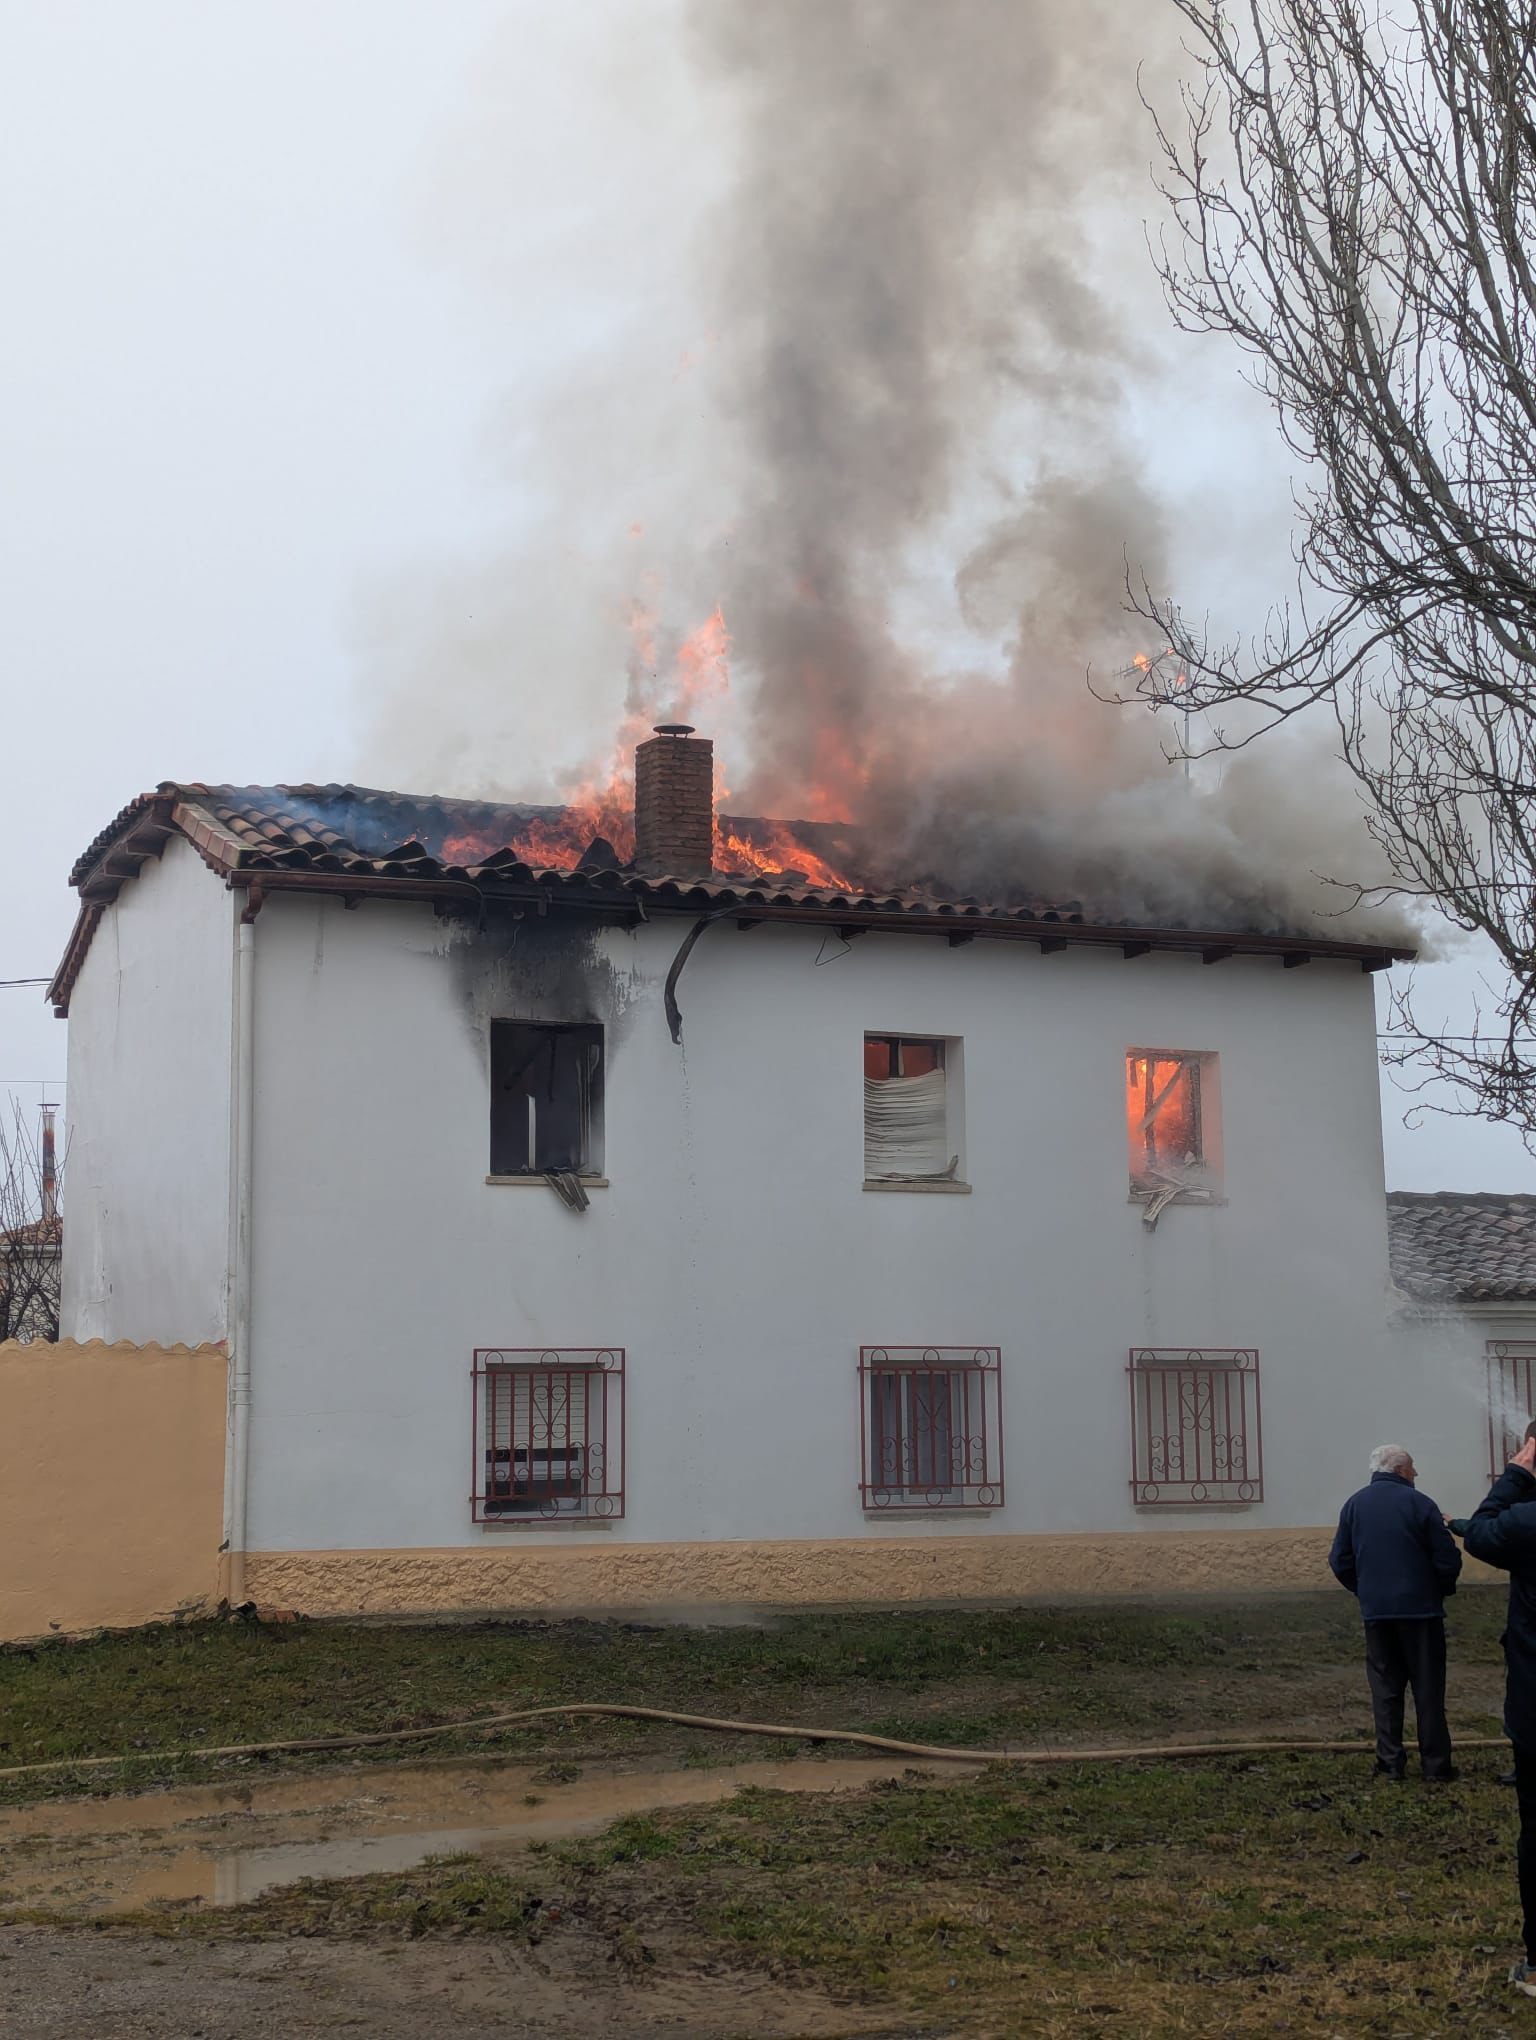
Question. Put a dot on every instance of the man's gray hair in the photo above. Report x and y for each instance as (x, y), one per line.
(1390, 1459)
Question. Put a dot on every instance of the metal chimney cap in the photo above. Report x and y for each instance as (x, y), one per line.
(673, 729)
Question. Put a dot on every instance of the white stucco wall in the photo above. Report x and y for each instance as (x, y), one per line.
(146, 1188)
(736, 1256)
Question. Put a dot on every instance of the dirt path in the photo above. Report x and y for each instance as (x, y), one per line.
(56, 1986)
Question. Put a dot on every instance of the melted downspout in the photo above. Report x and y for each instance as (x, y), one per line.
(237, 1443)
(669, 993)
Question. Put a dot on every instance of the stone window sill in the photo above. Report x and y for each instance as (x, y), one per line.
(921, 1184)
(521, 1523)
(910, 1511)
(538, 1182)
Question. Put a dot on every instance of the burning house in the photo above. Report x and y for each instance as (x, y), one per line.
(614, 1209)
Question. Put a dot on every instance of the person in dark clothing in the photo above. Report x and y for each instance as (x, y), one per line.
(1393, 1550)
(1502, 1532)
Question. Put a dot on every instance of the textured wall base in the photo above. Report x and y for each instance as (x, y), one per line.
(702, 1576)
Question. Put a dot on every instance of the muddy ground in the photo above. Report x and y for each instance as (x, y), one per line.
(226, 1844)
(166, 1854)
(600, 1877)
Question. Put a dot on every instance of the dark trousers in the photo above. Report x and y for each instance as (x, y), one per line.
(1403, 1654)
(1525, 1792)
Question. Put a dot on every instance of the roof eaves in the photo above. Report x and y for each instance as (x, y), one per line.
(63, 982)
(425, 877)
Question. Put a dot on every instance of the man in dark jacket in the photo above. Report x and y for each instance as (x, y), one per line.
(1394, 1551)
(1503, 1533)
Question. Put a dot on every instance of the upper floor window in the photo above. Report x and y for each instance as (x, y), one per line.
(546, 1099)
(908, 1114)
(1172, 1109)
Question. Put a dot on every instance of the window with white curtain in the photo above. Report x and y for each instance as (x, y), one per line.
(906, 1111)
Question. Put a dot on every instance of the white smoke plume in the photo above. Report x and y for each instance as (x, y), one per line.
(906, 452)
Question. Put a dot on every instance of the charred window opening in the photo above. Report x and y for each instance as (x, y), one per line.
(546, 1098)
(1170, 1097)
(906, 1110)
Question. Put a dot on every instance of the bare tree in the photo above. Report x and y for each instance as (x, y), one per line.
(1353, 194)
(31, 1233)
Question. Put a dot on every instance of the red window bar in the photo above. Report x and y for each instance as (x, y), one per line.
(1195, 1433)
(548, 1435)
(1511, 1396)
(931, 1427)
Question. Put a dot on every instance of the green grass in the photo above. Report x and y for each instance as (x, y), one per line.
(1019, 1676)
(1288, 1894)
(1275, 1894)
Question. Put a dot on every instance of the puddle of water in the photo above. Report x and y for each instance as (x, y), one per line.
(227, 1843)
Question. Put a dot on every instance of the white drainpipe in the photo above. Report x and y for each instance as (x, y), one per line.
(237, 1441)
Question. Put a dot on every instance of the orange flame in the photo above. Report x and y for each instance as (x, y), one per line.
(777, 852)
(593, 808)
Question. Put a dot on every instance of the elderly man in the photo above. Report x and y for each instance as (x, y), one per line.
(1394, 1551)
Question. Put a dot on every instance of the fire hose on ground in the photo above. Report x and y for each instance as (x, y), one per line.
(487, 1724)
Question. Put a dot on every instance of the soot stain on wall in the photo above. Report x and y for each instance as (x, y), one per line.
(554, 968)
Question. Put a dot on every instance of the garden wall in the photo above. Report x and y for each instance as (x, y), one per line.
(111, 1484)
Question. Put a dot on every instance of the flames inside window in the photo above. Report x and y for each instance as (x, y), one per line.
(1164, 1120)
(906, 1110)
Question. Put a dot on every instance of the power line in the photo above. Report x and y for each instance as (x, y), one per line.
(1432, 1040)
(9, 984)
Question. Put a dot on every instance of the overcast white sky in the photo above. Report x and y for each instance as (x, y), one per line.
(280, 291)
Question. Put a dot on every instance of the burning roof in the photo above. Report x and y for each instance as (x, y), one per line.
(360, 841)
(362, 834)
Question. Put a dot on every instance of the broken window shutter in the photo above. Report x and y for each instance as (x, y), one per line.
(905, 1129)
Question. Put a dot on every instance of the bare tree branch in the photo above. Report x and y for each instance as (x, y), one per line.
(31, 1236)
(1352, 199)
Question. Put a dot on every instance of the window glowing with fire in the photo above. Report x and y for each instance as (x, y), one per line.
(1170, 1103)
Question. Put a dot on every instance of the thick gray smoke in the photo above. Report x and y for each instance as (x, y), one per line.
(899, 274)
(909, 459)
(917, 324)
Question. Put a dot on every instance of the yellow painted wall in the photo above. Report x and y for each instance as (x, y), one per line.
(111, 1484)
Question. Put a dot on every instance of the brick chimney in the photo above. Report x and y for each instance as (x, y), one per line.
(675, 802)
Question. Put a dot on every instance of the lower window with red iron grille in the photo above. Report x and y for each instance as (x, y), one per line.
(1511, 1399)
(549, 1435)
(931, 1424)
(1195, 1433)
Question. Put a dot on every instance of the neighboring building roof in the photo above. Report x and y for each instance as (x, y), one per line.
(1472, 1247)
(357, 841)
(38, 1232)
